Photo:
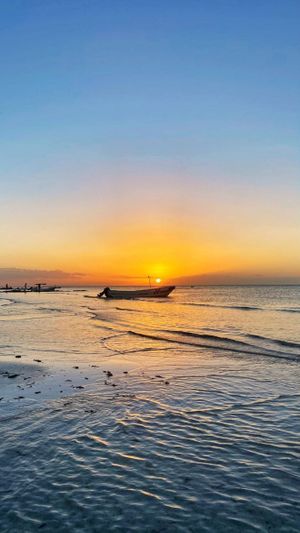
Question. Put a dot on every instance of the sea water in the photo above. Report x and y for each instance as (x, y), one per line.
(178, 414)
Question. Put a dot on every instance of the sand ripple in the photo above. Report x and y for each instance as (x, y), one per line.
(142, 464)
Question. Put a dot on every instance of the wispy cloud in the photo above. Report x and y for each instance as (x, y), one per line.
(23, 275)
(234, 278)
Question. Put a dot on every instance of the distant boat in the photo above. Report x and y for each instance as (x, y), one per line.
(157, 292)
(41, 287)
(17, 289)
(6, 288)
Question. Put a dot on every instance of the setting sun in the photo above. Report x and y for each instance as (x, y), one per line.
(158, 280)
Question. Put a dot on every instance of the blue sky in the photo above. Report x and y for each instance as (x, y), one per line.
(165, 79)
(99, 90)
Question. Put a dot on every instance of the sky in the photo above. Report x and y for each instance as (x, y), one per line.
(149, 138)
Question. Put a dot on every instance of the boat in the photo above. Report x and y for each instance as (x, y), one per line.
(157, 292)
(38, 287)
(6, 288)
(17, 289)
(42, 287)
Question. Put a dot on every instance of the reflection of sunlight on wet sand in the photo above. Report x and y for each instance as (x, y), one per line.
(97, 439)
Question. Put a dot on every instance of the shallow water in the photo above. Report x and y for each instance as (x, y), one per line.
(197, 428)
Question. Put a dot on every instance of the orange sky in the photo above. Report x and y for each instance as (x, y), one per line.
(163, 225)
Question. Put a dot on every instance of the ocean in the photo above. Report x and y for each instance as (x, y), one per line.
(169, 415)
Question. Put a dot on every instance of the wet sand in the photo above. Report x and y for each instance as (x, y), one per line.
(118, 418)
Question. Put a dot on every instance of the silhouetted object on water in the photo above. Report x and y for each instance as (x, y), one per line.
(42, 287)
(38, 287)
(5, 288)
(157, 292)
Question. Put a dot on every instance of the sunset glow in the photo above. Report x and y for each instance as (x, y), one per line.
(191, 175)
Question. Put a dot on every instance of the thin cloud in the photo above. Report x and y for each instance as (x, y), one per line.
(13, 275)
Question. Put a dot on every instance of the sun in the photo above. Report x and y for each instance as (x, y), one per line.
(158, 280)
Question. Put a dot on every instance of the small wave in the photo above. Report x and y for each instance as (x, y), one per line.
(77, 290)
(246, 307)
(239, 347)
(277, 341)
(289, 310)
(53, 310)
(207, 336)
(235, 341)
(5, 301)
(238, 307)
(129, 310)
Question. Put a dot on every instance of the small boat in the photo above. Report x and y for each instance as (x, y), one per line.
(42, 287)
(6, 288)
(39, 287)
(157, 292)
(17, 289)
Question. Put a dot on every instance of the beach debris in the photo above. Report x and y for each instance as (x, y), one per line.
(18, 356)
(38, 360)
(37, 392)
(158, 376)
(167, 383)
(68, 380)
(78, 386)
(1, 398)
(19, 398)
(125, 372)
(109, 373)
(95, 366)
(11, 376)
(86, 378)
(76, 367)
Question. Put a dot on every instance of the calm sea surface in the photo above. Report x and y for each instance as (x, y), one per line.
(172, 415)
